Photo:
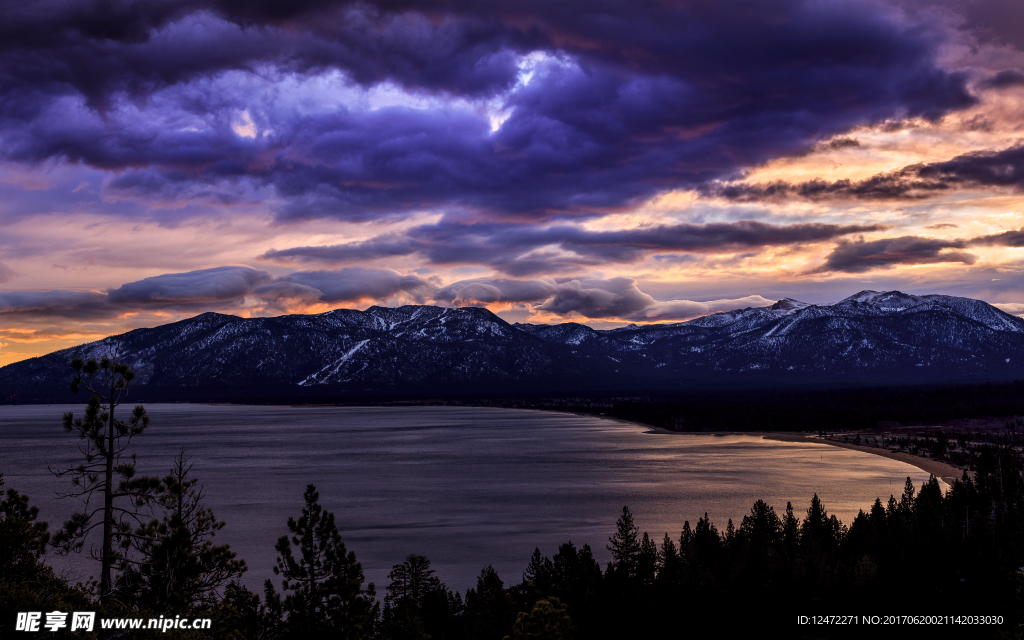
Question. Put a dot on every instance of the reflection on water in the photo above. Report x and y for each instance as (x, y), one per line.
(463, 486)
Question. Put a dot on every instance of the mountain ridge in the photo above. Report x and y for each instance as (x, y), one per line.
(880, 337)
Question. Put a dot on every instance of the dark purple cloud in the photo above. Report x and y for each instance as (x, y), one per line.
(859, 255)
(1014, 238)
(205, 285)
(81, 45)
(631, 99)
(524, 250)
(1004, 168)
(1004, 80)
(837, 144)
(66, 304)
(357, 283)
(990, 21)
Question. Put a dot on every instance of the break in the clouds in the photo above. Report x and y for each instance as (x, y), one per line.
(520, 250)
(352, 110)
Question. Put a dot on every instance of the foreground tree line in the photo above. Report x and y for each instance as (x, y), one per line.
(922, 552)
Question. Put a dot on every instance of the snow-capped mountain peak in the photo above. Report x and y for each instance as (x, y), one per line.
(788, 305)
(885, 300)
(877, 336)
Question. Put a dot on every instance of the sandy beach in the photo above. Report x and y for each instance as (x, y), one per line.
(941, 470)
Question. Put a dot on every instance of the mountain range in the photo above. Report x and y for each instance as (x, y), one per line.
(868, 338)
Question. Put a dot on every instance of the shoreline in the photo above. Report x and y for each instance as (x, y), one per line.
(941, 470)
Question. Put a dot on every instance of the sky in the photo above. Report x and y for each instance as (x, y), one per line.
(598, 162)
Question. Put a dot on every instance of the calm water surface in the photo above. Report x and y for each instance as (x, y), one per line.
(465, 487)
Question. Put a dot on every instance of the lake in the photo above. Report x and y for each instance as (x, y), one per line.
(465, 487)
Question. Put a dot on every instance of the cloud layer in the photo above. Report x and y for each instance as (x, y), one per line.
(982, 169)
(588, 298)
(857, 256)
(206, 285)
(521, 250)
(233, 288)
(247, 290)
(512, 109)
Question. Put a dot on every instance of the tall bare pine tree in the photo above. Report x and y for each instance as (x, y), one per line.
(105, 479)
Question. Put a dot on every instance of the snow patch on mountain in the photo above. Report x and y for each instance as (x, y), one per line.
(326, 374)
